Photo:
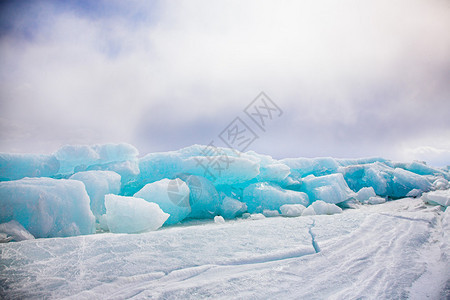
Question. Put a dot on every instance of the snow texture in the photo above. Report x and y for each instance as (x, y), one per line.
(395, 250)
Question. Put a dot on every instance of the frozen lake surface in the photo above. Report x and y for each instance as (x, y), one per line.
(398, 249)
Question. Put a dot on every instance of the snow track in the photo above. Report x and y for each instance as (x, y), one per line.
(393, 250)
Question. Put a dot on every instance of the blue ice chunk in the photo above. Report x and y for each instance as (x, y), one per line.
(172, 196)
(128, 170)
(232, 208)
(377, 175)
(98, 184)
(223, 169)
(234, 191)
(344, 162)
(276, 172)
(75, 158)
(292, 182)
(154, 167)
(157, 166)
(220, 166)
(329, 188)
(17, 166)
(47, 207)
(269, 168)
(132, 215)
(262, 195)
(302, 167)
(421, 168)
(203, 197)
(385, 180)
(404, 181)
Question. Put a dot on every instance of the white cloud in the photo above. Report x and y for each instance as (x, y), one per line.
(433, 156)
(344, 72)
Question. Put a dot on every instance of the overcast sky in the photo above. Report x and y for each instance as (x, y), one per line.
(353, 78)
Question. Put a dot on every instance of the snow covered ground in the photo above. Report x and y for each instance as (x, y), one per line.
(394, 250)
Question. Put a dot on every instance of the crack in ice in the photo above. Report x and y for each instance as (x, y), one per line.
(313, 237)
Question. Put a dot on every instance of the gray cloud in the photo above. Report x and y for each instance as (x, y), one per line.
(354, 79)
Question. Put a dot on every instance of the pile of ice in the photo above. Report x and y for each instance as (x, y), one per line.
(83, 189)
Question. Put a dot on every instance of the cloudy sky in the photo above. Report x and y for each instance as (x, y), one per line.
(353, 78)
